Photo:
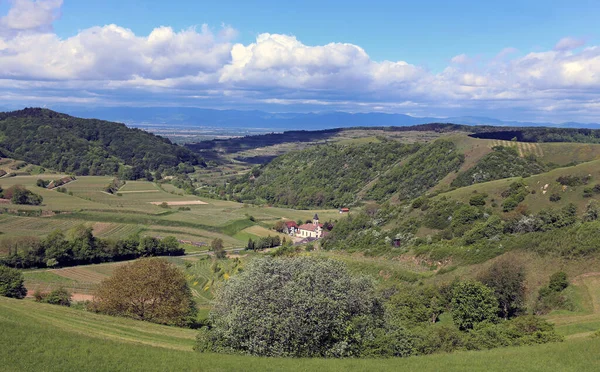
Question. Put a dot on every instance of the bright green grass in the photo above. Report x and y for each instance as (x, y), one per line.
(35, 337)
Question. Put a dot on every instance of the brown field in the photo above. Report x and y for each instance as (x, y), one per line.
(189, 202)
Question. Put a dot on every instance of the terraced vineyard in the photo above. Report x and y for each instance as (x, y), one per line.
(524, 148)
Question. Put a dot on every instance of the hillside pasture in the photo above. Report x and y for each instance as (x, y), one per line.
(54, 338)
(538, 198)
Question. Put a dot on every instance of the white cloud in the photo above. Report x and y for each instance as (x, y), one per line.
(568, 43)
(106, 64)
(460, 59)
(30, 15)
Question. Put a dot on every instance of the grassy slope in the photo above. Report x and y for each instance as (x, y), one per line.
(539, 200)
(45, 337)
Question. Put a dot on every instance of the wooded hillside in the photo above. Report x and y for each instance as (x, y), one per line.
(86, 146)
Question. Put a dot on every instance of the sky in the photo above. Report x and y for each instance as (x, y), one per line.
(525, 60)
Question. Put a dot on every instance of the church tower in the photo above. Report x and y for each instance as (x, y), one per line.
(316, 220)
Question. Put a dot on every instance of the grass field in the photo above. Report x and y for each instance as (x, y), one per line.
(540, 199)
(133, 212)
(51, 338)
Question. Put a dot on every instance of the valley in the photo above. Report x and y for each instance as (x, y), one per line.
(423, 207)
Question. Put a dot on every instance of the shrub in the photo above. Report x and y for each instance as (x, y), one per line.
(473, 303)
(58, 296)
(149, 289)
(478, 200)
(555, 197)
(300, 306)
(558, 281)
(20, 195)
(572, 181)
(11, 283)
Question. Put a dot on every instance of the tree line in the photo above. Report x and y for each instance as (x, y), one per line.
(79, 246)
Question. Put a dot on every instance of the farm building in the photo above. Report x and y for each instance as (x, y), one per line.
(290, 227)
(344, 210)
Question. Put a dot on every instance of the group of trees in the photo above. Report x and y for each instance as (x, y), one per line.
(319, 176)
(80, 246)
(422, 171)
(503, 162)
(114, 186)
(262, 243)
(310, 307)
(87, 146)
(18, 194)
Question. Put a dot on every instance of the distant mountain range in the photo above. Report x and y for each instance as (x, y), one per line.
(197, 117)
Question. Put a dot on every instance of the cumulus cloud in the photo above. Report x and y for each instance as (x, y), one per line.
(200, 65)
(31, 15)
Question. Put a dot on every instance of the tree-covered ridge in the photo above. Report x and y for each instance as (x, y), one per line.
(503, 162)
(322, 176)
(86, 146)
(423, 171)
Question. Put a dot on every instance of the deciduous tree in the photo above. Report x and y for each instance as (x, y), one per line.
(149, 289)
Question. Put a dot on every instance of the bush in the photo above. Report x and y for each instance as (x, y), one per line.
(558, 281)
(149, 289)
(477, 200)
(473, 303)
(293, 307)
(11, 283)
(20, 195)
(555, 197)
(56, 297)
(572, 181)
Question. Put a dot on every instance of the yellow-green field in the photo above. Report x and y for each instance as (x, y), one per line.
(133, 211)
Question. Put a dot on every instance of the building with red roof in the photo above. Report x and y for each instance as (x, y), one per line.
(290, 227)
(311, 230)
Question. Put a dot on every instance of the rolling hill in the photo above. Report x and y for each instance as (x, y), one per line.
(52, 338)
(86, 146)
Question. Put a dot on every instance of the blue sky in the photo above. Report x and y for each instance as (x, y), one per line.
(424, 32)
(519, 60)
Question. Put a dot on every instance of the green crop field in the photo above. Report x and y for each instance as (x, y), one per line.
(67, 339)
(133, 212)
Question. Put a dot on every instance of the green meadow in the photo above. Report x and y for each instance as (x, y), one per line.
(35, 337)
(134, 210)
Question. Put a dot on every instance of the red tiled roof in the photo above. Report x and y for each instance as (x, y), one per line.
(309, 226)
(345, 209)
(291, 224)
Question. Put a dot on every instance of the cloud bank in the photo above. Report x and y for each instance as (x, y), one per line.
(201, 66)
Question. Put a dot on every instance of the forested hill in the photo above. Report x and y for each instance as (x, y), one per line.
(323, 176)
(86, 146)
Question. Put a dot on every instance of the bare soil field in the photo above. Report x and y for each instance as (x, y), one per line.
(189, 202)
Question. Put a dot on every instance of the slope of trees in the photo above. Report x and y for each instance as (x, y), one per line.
(86, 146)
(321, 176)
(504, 162)
(423, 171)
